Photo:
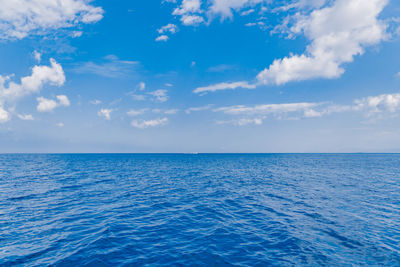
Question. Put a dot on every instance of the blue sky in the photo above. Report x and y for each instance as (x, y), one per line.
(200, 76)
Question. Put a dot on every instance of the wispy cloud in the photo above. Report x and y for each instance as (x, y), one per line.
(143, 124)
(26, 117)
(372, 106)
(95, 102)
(224, 86)
(159, 95)
(111, 67)
(222, 68)
(194, 109)
(136, 112)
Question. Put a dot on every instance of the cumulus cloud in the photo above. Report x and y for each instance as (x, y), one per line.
(380, 103)
(337, 30)
(11, 91)
(41, 75)
(338, 33)
(143, 124)
(191, 20)
(20, 18)
(105, 113)
(224, 86)
(167, 29)
(188, 6)
(48, 105)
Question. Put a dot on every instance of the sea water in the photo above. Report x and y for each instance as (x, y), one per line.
(200, 210)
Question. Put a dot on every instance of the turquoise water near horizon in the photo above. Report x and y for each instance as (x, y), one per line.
(199, 209)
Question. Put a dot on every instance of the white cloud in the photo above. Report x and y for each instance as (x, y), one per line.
(162, 38)
(367, 106)
(189, 11)
(221, 68)
(138, 97)
(136, 112)
(95, 102)
(171, 111)
(63, 100)
(247, 12)
(60, 124)
(194, 109)
(188, 6)
(191, 20)
(225, 7)
(26, 117)
(169, 28)
(243, 121)
(160, 95)
(47, 105)
(41, 75)
(76, 34)
(20, 18)
(11, 91)
(106, 113)
(194, 12)
(113, 67)
(142, 124)
(380, 103)
(167, 112)
(337, 33)
(224, 86)
(276, 109)
(4, 115)
(141, 86)
(37, 56)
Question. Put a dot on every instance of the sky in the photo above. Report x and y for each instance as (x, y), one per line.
(184, 76)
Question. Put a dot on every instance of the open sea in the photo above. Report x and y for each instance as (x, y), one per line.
(200, 210)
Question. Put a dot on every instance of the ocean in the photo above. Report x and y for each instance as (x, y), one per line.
(199, 209)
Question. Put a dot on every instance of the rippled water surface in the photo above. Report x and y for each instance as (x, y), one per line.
(213, 210)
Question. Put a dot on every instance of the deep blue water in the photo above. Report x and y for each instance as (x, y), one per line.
(200, 210)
